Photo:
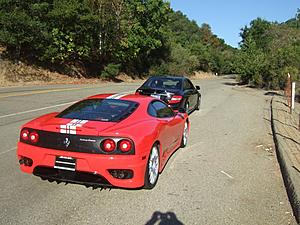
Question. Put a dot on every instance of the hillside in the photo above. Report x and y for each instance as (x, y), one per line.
(135, 37)
(102, 39)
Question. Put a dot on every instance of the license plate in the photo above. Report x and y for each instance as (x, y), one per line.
(65, 163)
(155, 96)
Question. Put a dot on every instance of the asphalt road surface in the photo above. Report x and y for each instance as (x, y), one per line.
(228, 174)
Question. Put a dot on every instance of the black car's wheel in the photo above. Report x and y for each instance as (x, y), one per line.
(185, 135)
(152, 169)
(186, 106)
(198, 103)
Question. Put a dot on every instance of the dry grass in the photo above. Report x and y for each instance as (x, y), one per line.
(199, 75)
(20, 74)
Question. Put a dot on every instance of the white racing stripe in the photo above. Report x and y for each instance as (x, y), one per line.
(113, 96)
(71, 127)
(118, 95)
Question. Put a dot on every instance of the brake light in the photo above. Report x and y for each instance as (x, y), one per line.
(125, 145)
(175, 99)
(137, 93)
(25, 135)
(34, 137)
(108, 145)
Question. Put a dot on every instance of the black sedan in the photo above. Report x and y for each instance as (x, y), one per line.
(178, 92)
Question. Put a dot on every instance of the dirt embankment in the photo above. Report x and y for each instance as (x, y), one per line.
(199, 75)
(20, 74)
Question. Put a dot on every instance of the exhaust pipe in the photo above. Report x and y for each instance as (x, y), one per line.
(26, 161)
(21, 161)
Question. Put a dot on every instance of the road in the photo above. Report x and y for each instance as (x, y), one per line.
(228, 174)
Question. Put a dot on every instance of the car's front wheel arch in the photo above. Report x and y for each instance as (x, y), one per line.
(153, 166)
(185, 134)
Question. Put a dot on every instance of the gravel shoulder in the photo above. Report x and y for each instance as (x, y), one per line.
(287, 139)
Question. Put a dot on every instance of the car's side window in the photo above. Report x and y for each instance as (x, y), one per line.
(191, 84)
(151, 110)
(160, 110)
(187, 85)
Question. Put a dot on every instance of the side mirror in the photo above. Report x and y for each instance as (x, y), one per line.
(198, 87)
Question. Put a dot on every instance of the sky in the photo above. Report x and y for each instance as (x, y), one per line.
(227, 17)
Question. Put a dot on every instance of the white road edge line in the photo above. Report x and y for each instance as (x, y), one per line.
(12, 149)
(49, 107)
(35, 110)
(231, 177)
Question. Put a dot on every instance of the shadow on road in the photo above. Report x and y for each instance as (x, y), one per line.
(282, 103)
(288, 138)
(232, 83)
(272, 93)
(168, 218)
(285, 124)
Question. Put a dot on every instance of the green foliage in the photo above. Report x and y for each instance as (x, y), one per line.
(110, 71)
(251, 63)
(20, 25)
(294, 22)
(142, 37)
(268, 52)
(258, 32)
(182, 62)
(198, 47)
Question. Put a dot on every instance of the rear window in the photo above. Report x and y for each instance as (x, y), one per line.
(163, 83)
(105, 110)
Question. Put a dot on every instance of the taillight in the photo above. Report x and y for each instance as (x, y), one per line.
(137, 93)
(29, 136)
(34, 137)
(108, 145)
(25, 135)
(125, 145)
(175, 99)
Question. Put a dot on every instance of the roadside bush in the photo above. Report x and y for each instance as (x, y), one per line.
(110, 71)
(159, 69)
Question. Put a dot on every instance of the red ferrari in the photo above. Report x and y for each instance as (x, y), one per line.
(104, 141)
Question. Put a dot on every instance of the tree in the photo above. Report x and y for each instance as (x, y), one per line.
(268, 52)
(257, 32)
(21, 26)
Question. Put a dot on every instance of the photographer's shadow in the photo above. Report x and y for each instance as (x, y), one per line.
(168, 218)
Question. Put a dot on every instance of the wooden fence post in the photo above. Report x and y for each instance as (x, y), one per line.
(288, 91)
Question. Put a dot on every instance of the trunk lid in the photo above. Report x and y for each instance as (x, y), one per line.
(75, 126)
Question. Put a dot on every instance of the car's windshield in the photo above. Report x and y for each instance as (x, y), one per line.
(106, 110)
(163, 83)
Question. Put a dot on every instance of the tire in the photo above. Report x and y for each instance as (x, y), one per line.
(185, 135)
(186, 106)
(198, 104)
(152, 168)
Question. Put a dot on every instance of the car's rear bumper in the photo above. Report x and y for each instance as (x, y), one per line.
(94, 166)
